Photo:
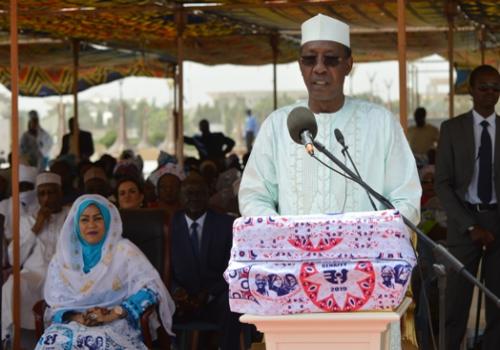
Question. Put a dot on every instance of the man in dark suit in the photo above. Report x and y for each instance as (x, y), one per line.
(467, 182)
(86, 143)
(201, 245)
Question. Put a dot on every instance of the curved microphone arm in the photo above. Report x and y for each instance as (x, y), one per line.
(451, 261)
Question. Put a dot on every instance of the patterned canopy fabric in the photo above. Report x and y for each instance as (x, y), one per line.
(245, 32)
(240, 31)
(47, 69)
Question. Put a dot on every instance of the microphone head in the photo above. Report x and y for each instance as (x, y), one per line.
(339, 136)
(300, 119)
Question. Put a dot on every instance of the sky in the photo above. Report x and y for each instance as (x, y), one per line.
(201, 80)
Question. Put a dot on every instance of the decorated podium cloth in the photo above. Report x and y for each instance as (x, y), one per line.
(319, 263)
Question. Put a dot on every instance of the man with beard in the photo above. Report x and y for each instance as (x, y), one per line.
(280, 176)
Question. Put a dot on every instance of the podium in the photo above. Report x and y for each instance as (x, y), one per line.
(326, 331)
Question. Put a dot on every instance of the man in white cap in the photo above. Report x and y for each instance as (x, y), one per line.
(281, 178)
(36, 143)
(27, 198)
(38, 240)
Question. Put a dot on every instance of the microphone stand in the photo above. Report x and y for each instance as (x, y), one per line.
(440, 250)
(346, 151)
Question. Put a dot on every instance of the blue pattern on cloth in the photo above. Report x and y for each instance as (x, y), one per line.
(138, 303)
(59, 316)
(118, 335)
(91, 252)
(60, 336)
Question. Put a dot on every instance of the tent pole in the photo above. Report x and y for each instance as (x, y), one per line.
(274, 46)
(14, 87)
(450, 12)
(403, 106)
(482, 35)
(179, 142)
(76, 125)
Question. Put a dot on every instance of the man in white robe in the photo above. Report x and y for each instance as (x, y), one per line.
(38, 239)
(27, 198)
(281, 178)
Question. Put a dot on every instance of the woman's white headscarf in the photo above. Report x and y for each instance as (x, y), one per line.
(122, 271)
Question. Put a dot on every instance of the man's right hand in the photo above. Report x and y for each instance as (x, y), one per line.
(42, 217)
(481, 236)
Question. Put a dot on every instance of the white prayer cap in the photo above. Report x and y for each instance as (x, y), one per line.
(48, 178)
(321, 27)
(27, 173)
(169, 168)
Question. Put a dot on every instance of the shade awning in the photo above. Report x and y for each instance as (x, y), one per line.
(46, 69)
(240, 32)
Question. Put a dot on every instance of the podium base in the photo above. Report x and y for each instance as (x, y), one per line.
(326, 331)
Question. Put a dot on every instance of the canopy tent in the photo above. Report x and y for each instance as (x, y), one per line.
(46, 68)
(245, 32)
(374, 25)
(239, 31)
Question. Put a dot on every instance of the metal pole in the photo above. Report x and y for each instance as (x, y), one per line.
(440, 271)
(417, 95)
(482, 35)
(274, 46)
(180, 21)
(403, 107)
(76, 127)
(14, 87)
(451, 14)
(175, 113)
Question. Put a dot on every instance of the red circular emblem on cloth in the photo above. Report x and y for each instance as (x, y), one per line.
(337, 287)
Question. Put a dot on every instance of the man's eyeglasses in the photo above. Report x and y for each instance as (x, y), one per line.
(328, 61)
(487, 86)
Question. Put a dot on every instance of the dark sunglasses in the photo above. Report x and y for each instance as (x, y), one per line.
(328, 61)
(487, 86)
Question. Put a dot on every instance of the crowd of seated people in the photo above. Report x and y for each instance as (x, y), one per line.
(73, 272)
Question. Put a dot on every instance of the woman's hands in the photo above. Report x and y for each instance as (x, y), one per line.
(95, 316)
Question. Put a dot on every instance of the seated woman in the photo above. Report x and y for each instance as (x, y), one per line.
(167, 181)
(130, 193)
(98, 283)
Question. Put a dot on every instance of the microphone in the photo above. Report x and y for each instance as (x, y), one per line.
(340, 139)
(302, 127)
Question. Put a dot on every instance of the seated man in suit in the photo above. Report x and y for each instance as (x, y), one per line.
(201, 245)
(86, 143)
